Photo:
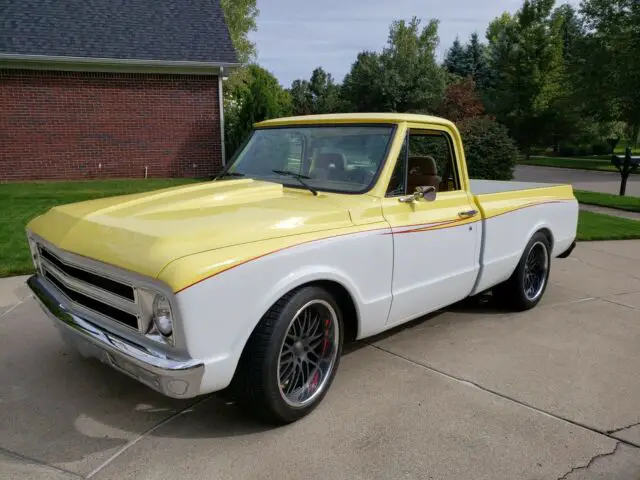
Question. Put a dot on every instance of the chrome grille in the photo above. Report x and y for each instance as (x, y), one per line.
(105, 296)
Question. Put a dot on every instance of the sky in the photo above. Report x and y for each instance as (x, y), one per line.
(295, 36)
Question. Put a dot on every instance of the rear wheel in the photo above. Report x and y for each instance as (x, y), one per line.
(526, 287)
(292, 356)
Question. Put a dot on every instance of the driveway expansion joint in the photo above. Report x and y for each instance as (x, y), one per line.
(145, 434)
(471, 383)
(591, 462)
(24, 458)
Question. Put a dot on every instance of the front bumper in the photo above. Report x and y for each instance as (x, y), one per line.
(172, 377)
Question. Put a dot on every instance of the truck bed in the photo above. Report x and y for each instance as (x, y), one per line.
(485, 187)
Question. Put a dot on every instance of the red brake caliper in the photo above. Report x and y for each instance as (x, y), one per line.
(325, 345)
(325, 342)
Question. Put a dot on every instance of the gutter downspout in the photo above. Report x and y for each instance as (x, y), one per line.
(221, 110)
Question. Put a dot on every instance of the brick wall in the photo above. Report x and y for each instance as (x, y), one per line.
(68, 125)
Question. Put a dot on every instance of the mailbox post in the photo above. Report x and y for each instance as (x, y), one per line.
(626, 166)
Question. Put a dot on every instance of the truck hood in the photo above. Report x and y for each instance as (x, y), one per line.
(144, 232)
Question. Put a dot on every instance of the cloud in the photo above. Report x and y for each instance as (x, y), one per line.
(296, 36)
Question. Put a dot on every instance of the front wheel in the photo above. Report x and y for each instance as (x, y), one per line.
(526, 286)
(292, 356)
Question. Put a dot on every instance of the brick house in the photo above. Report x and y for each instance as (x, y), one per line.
(99, 88)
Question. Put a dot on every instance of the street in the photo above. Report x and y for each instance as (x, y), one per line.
(603, 182)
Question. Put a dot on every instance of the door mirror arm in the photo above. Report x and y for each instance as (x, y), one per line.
(428, 194)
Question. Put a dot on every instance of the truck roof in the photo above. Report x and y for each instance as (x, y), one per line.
(355, 118)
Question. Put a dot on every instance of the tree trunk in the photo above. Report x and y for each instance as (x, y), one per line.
(623, 184)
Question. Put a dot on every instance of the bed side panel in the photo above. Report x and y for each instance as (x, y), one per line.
(510, 220)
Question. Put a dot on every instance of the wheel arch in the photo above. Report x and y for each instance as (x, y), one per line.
(343, 296)
(543, 228)
(340, 286)
(540, 228)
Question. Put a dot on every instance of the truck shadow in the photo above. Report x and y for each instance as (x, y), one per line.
(65, 410)
(465, 310)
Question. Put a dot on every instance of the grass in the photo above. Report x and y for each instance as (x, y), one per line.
(631, 204)
(575, 163)
(599, 164)
(595, 226)
(23, 201)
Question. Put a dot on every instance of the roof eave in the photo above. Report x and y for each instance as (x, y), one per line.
(121, 65)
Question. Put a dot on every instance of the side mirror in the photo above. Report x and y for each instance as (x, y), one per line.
(428, 194)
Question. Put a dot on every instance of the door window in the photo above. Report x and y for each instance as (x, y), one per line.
(426, 159)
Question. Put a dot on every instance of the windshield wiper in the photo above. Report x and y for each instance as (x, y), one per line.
(298, 177)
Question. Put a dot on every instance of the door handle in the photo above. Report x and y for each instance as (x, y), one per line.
(468, 213)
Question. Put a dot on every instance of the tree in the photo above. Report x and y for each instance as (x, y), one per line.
(240, 17)
(301, 97)
(404, 77)
(461, 101)
(613, 48)
(259, 97)
(569, 122)
(318, 95)
(362, 86)
(526, 52)
(456, 60)
(475, 59)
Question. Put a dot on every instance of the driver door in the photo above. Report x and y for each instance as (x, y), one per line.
(436, 243)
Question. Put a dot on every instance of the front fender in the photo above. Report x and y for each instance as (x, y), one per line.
(219, 314)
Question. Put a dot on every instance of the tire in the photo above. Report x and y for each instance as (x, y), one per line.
(519, 292)
(274, 362)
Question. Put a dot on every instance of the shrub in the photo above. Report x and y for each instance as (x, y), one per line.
(600, 148)
(584, 150)
(568, 150)
(491, 153)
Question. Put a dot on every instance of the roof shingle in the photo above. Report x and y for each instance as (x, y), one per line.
(167, 30)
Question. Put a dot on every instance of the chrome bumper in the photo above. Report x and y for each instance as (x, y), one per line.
(172, 377)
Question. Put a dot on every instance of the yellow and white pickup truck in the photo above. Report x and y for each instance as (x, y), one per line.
(320, 229)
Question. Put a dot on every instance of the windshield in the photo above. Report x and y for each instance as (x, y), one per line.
(340, 158)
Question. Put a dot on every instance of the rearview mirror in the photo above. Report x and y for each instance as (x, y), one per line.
(428, 194)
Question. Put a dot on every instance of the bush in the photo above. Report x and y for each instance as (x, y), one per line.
(584, 150)
(491, 153)
(600, 148)
(568, 150)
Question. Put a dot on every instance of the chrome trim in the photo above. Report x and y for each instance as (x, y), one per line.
(468, 213)
(95, 271)
(89, 290)
(174, 377)
(141, 284)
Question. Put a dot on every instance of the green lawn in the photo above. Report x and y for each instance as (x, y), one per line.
(579, 163)
(23, 201)
(595, 226)
(631, 204)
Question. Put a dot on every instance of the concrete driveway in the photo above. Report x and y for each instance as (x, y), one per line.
(605, 182)
(470, 393)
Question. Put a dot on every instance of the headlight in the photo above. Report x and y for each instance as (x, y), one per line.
(162, 317)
